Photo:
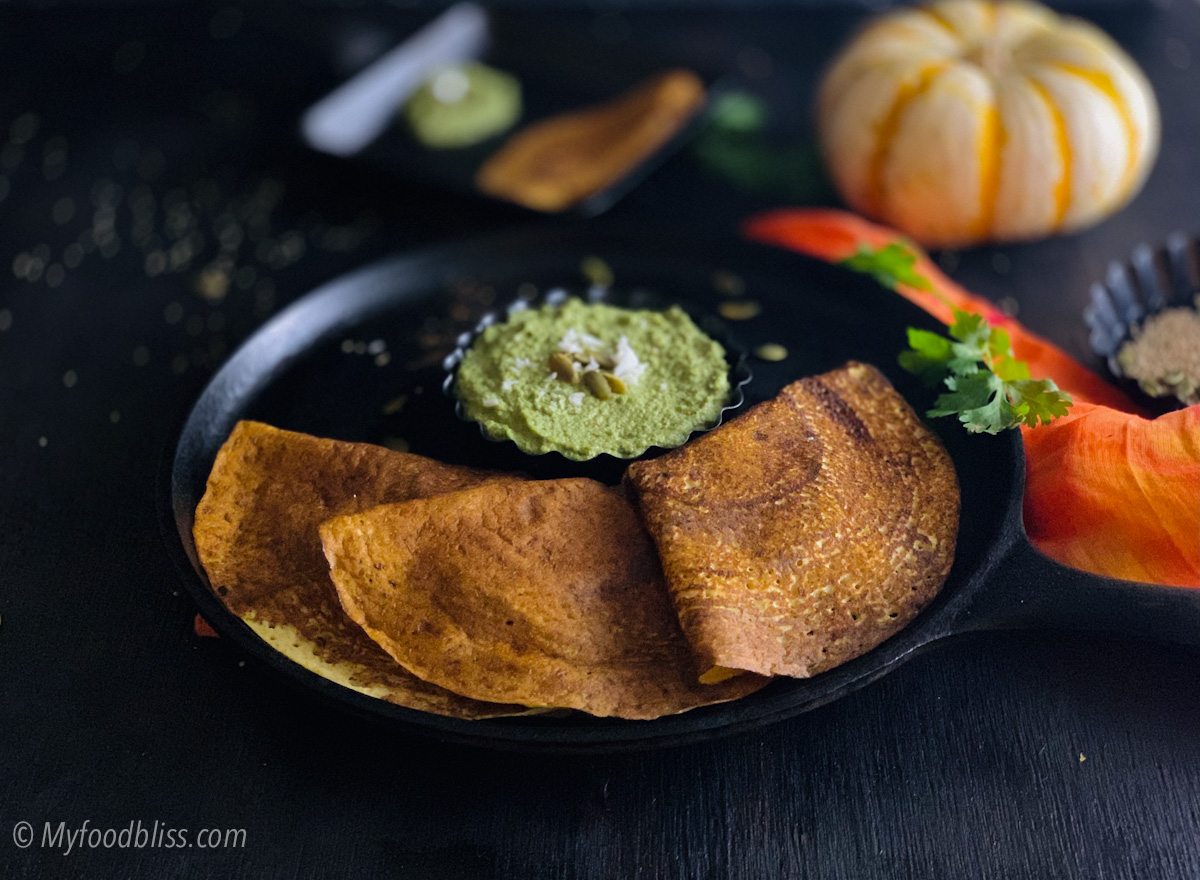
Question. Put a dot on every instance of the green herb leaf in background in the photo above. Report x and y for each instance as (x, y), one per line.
(890, 265)
(738, 148)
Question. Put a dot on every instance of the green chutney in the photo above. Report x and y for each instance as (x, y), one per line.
(462, 105)
(670, 379)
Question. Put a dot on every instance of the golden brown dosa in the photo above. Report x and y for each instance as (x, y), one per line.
(256, 535)
(806, 531)
(544, 593)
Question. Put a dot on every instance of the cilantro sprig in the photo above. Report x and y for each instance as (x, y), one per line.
(989, 390)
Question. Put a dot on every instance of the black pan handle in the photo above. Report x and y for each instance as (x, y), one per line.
(1027, 589)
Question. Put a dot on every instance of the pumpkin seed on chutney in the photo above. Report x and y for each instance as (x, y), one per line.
(597, 384)
(564, 368)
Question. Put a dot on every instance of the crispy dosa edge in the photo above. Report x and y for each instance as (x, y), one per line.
(545, 593)
(256, 536)
(806, 531)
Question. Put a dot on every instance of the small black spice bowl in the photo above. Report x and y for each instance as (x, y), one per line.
(504, 454)
(1151, 281)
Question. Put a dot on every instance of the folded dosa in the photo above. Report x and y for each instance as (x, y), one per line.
(806, 531)
(256, 535)
(543, 593)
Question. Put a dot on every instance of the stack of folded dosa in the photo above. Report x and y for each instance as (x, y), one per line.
(791, 539)
(518, 593)
(256, 535)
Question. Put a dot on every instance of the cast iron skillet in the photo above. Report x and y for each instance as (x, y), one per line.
(337, 362)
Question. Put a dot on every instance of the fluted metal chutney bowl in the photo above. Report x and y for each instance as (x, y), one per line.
(607, 466)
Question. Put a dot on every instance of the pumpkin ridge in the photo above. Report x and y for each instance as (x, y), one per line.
(991, 143)
(886, 133)
(989, 12)
(939, 19)
(1104, 83)
(1062, 190)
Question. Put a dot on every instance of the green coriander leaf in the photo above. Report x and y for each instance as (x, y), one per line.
(978, 401)
(929, 371)
(999, 344)
(966, 392)
(967, 360)
(890, 265)
(1040, 400)
(971, 330)
(989, 389)
(932, 345)
(966, 395)
(1011, 370)
(928, 356)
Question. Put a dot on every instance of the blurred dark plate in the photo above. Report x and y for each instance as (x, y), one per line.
(558, 71)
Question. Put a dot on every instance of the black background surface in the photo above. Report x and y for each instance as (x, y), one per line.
(1003, 755)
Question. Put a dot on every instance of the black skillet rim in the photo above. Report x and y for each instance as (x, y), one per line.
(276, 343)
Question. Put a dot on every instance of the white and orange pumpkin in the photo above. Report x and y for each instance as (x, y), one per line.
(965, 120)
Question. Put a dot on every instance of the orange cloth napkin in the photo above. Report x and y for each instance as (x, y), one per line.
(1107, 490)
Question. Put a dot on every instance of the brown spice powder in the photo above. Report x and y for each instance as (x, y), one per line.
(1164, 354)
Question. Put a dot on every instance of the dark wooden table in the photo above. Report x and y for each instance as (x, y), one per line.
(125, 130)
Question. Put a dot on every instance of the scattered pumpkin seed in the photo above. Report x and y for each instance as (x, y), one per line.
(771, 351)
(739, 310)
(617, 386)
(727, 284)
(596, 271)
(564, 368)
(597, 384)
(586, 357)
(394, 405)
